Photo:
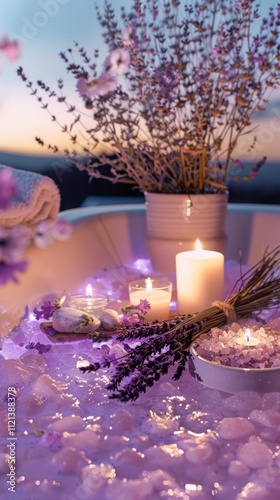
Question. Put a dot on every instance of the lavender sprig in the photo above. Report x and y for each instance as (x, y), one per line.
(169, 103)
(166, 344)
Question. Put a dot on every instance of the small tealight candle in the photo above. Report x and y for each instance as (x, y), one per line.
(157, 292)
(234, 360)
(247, 339)
(88, 302)
(200, 279)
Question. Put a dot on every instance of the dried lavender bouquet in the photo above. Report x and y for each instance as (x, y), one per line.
(166, 344)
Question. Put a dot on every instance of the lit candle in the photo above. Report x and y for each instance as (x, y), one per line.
(88, 302)
(200, 279)
(233, 361)
(157, 292)
(247, 339)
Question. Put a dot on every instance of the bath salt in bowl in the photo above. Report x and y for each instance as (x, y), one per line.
(237, 359)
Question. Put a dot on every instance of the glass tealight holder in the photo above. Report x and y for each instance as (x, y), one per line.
(88, 304)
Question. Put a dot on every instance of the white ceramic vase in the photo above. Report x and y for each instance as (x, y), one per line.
(175, 221)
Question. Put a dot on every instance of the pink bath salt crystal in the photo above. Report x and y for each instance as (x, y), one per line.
(30, 404)
(271, 401)
(159, 426)
(268, 418)
(199, 452)
(243, 401)
(128, 463)
(137, 489)
(45, 385)
(72, 423)
(235, 428)
(122, 422)
(4, 467)
(277, 459)
(270, 434)
(238, 469)
(84, 440)
(169, 389)
(255, 491)
(19, 373)
(68, 460)
(35, 361)
(94, 477)
(255, 454)
(270, 476)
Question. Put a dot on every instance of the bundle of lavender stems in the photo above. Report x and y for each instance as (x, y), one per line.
(166, 344)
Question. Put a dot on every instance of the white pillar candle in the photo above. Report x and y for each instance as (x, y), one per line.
(157, 292)
(200, 279)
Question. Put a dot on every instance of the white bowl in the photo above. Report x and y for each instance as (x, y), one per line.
(232, 379)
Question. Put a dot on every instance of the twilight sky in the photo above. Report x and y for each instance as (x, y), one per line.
(45, 27)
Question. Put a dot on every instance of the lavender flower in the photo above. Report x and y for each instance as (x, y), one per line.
(117, 62)
(133, 314)
(180, 86)
(46, 311)
(8, 272)
(41, 348)
(10, 47)
(51, 439)
(8, 187)
(62, 230)
(13, 242)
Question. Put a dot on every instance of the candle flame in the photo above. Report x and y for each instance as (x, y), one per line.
(89, 290)
(247, 334)
(149, 285)
(198, 246)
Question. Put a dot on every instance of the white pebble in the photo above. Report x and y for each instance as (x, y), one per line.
(165, 456)
(235, 427)
(238, 469)
(199, 452)
(68, 320)
(138, 489)
(70, 424)
(94, 477)
(68, 460)
(84, 440)
(112, 443)
(255, 454)
(128, 463)
(109, 319)
(159, 426)
(123, 421)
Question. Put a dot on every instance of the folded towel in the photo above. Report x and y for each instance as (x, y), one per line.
(38, 199)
